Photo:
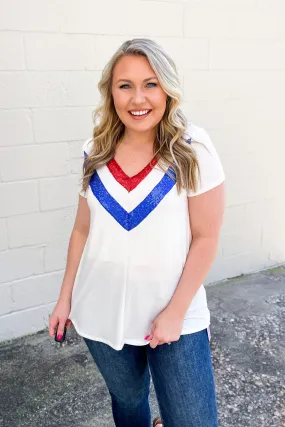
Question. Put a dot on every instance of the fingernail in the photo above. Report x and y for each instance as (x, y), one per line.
(59, 337)
(147, 337)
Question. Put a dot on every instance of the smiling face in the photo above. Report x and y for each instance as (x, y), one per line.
(135, 88)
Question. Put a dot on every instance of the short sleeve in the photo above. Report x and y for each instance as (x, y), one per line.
(86, 148)
(211, 169)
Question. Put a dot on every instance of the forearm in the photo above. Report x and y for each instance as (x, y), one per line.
(75, 249)
(200, 257)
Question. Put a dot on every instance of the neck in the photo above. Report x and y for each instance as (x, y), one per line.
(137, 139)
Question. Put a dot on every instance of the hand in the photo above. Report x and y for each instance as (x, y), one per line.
(59, 317)
(166, 327)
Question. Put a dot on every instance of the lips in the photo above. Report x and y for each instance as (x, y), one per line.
(140, 116)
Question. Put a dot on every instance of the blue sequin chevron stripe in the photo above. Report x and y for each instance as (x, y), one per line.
(130, 220)
(85, 157)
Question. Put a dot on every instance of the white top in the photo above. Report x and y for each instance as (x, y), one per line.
(136, 249)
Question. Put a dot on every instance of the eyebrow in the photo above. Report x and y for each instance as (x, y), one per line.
(145, 80)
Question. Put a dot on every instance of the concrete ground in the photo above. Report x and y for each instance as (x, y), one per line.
(45, 384)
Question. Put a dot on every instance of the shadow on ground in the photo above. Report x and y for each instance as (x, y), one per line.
(46, 384)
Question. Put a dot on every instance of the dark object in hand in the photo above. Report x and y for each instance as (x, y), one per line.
(63, 336)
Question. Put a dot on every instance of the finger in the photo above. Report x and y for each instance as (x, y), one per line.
(68, 324)
(53, 322)
(154, 342)
(148, 337)
(151, 335)
(60, 329)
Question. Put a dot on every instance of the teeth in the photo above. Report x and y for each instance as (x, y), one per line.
(139, 113)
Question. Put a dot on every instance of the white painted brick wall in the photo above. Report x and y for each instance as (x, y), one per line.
(12, 49)
(37, 89)
(20, 263)
(230, 56)
(34, 161)
(3, 235)
(18, 198)
(11, 134)
(39, 228)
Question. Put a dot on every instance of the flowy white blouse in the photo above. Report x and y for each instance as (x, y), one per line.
(136, 249)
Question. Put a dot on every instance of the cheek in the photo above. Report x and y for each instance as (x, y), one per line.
(159, 100)
(120, 99)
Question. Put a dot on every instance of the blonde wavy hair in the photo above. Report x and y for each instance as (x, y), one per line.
(170, 145)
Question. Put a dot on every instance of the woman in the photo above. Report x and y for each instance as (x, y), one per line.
(145, 235)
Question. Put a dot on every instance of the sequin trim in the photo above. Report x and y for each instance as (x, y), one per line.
(130, 220)
(85, 157)
(129, 182)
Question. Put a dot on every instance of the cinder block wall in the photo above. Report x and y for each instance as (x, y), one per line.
(231, 58)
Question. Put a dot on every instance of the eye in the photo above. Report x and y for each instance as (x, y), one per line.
(150, 83)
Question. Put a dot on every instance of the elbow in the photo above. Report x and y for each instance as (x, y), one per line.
(81, 229)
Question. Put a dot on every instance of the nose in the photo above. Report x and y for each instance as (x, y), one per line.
(138, 97)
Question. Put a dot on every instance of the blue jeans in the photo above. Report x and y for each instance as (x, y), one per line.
(182, 375)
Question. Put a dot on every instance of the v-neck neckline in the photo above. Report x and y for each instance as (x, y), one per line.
(130, 182)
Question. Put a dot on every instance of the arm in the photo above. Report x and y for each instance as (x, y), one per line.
(76, 246)
(206, 208)
(78, 237)
(206, 212)
(59, 316)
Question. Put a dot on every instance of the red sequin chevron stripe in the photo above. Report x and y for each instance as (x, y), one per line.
(129, 183)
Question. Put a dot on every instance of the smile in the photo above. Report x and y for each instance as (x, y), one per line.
(137, 115)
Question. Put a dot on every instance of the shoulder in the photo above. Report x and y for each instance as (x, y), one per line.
(199, 137)
(210, 166)
(87, 146)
